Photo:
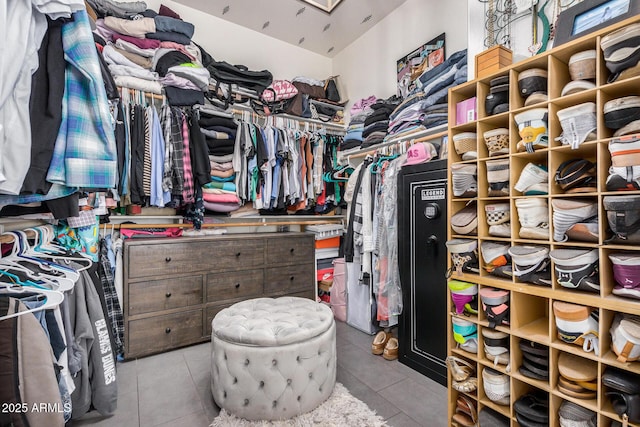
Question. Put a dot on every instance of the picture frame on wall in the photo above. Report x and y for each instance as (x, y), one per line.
(592, 15)
(423, 58)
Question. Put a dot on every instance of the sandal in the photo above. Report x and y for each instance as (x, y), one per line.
(466, 386)
(460, 368)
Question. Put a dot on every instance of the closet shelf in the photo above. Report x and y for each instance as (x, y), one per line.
(239, 109)
(419, 136)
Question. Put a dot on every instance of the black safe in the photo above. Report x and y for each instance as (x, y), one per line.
(422, 259)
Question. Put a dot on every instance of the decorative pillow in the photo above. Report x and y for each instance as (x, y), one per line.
(279, 90)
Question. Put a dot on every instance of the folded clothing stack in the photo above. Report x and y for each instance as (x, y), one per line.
(376, 124)
(353, 138)
(426, 106)
(220, 133)
(150, 51)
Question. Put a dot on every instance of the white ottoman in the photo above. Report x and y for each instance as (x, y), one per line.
(273, 358)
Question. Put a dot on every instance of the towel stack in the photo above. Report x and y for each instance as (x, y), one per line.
(150, 51)
(220, 134)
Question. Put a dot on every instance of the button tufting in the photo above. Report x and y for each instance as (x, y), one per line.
(235, 380)
(224, 394)
(274, 362)
(299, 397)
(246, 362)
(298, 359)
(275, 402)
(288, 382)
(310, 374)
(261, 384)
(246, 402)
(225, 356)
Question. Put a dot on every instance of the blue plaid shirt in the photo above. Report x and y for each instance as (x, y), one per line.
(85, 150)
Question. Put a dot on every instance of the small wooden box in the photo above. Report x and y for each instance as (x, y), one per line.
(492, 59)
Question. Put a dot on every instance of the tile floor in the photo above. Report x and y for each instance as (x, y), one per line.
(173, 389)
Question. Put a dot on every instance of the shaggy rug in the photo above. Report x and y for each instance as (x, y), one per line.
(341, 409)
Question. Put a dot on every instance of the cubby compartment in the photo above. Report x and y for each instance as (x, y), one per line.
(576, 272)
(494, 137)
(494, 349)
(495, 260)
(573, 122)
(576, 379)
(530, 180)
(464, 336)
(494, 390)
(529, 79)
(574, 219)
(530, 317)
(494, 95)
(495, 218)
(559, 67)
(574, 327)
(464, 92)
(493, 178)
(532, 127)
(618, 90)
(464, 299)
(574, 172)
(623, 353)
(617, 271)
(464, 219)
(531, 404)
(530, 361)
(531, 218)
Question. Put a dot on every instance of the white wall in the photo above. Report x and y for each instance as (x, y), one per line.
(368, 65)
(229, 42)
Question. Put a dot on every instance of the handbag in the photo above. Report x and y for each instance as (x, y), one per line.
(278, 91)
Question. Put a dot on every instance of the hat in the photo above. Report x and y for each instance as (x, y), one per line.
(418, 153)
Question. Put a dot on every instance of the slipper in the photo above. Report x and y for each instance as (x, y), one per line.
(543, 361)
(533, 407)
(574, 390)
(623, 381)
(533, 347)
(379, 341)
(540, 370)
(462, 420)
(576, 368)
(460, 368)
(529, 374)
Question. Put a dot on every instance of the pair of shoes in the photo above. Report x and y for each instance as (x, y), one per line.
(385, 344)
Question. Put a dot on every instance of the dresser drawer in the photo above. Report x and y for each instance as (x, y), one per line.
(237, 284)
(188, 257)
(154, 334)
(290, 250)
(165, 294)
(286, 279)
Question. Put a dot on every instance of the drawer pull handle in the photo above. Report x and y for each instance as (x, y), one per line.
(238, 254)
(291, 278)
(168, 294)
(292, 250)
(237, 285)
(168, 259)
(168, 330)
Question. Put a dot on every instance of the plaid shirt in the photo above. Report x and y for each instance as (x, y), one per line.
(177, 168)
(114, 311)
(85, 151)
(187, 190)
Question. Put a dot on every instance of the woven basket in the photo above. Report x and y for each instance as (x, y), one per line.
(465, 142)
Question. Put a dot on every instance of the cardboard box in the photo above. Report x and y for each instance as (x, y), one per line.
(492, 60)
(466, 111)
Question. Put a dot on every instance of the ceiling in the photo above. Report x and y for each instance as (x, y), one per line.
(299, 22)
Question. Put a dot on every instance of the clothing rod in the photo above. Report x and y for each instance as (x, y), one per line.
(409, 140)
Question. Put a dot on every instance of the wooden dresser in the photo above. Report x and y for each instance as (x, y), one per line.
(174, 287)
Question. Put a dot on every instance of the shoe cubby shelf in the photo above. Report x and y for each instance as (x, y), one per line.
(531, 306)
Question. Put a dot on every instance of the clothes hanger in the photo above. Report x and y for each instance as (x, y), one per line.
(52, 299)
(59, 254)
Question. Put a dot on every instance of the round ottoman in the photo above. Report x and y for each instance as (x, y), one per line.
(273, 358)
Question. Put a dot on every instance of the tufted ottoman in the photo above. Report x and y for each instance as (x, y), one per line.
(273, 358)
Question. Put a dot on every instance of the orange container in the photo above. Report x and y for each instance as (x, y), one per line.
(332, 242)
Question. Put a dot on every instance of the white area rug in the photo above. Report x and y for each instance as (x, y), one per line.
(340, 410)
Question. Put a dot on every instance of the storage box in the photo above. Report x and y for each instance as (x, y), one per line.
(466, 111)
(491, 60)
(331, 242)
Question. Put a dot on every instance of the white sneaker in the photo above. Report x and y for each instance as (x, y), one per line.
(534, 180)
(465, 183)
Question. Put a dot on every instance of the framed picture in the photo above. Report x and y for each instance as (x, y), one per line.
(592, 15)
(425, 57)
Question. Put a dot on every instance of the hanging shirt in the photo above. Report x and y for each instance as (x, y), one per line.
(85, 150)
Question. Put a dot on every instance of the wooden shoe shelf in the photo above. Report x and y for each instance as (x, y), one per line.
(531, 313)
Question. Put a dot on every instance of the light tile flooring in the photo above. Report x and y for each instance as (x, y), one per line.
(173, 389)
